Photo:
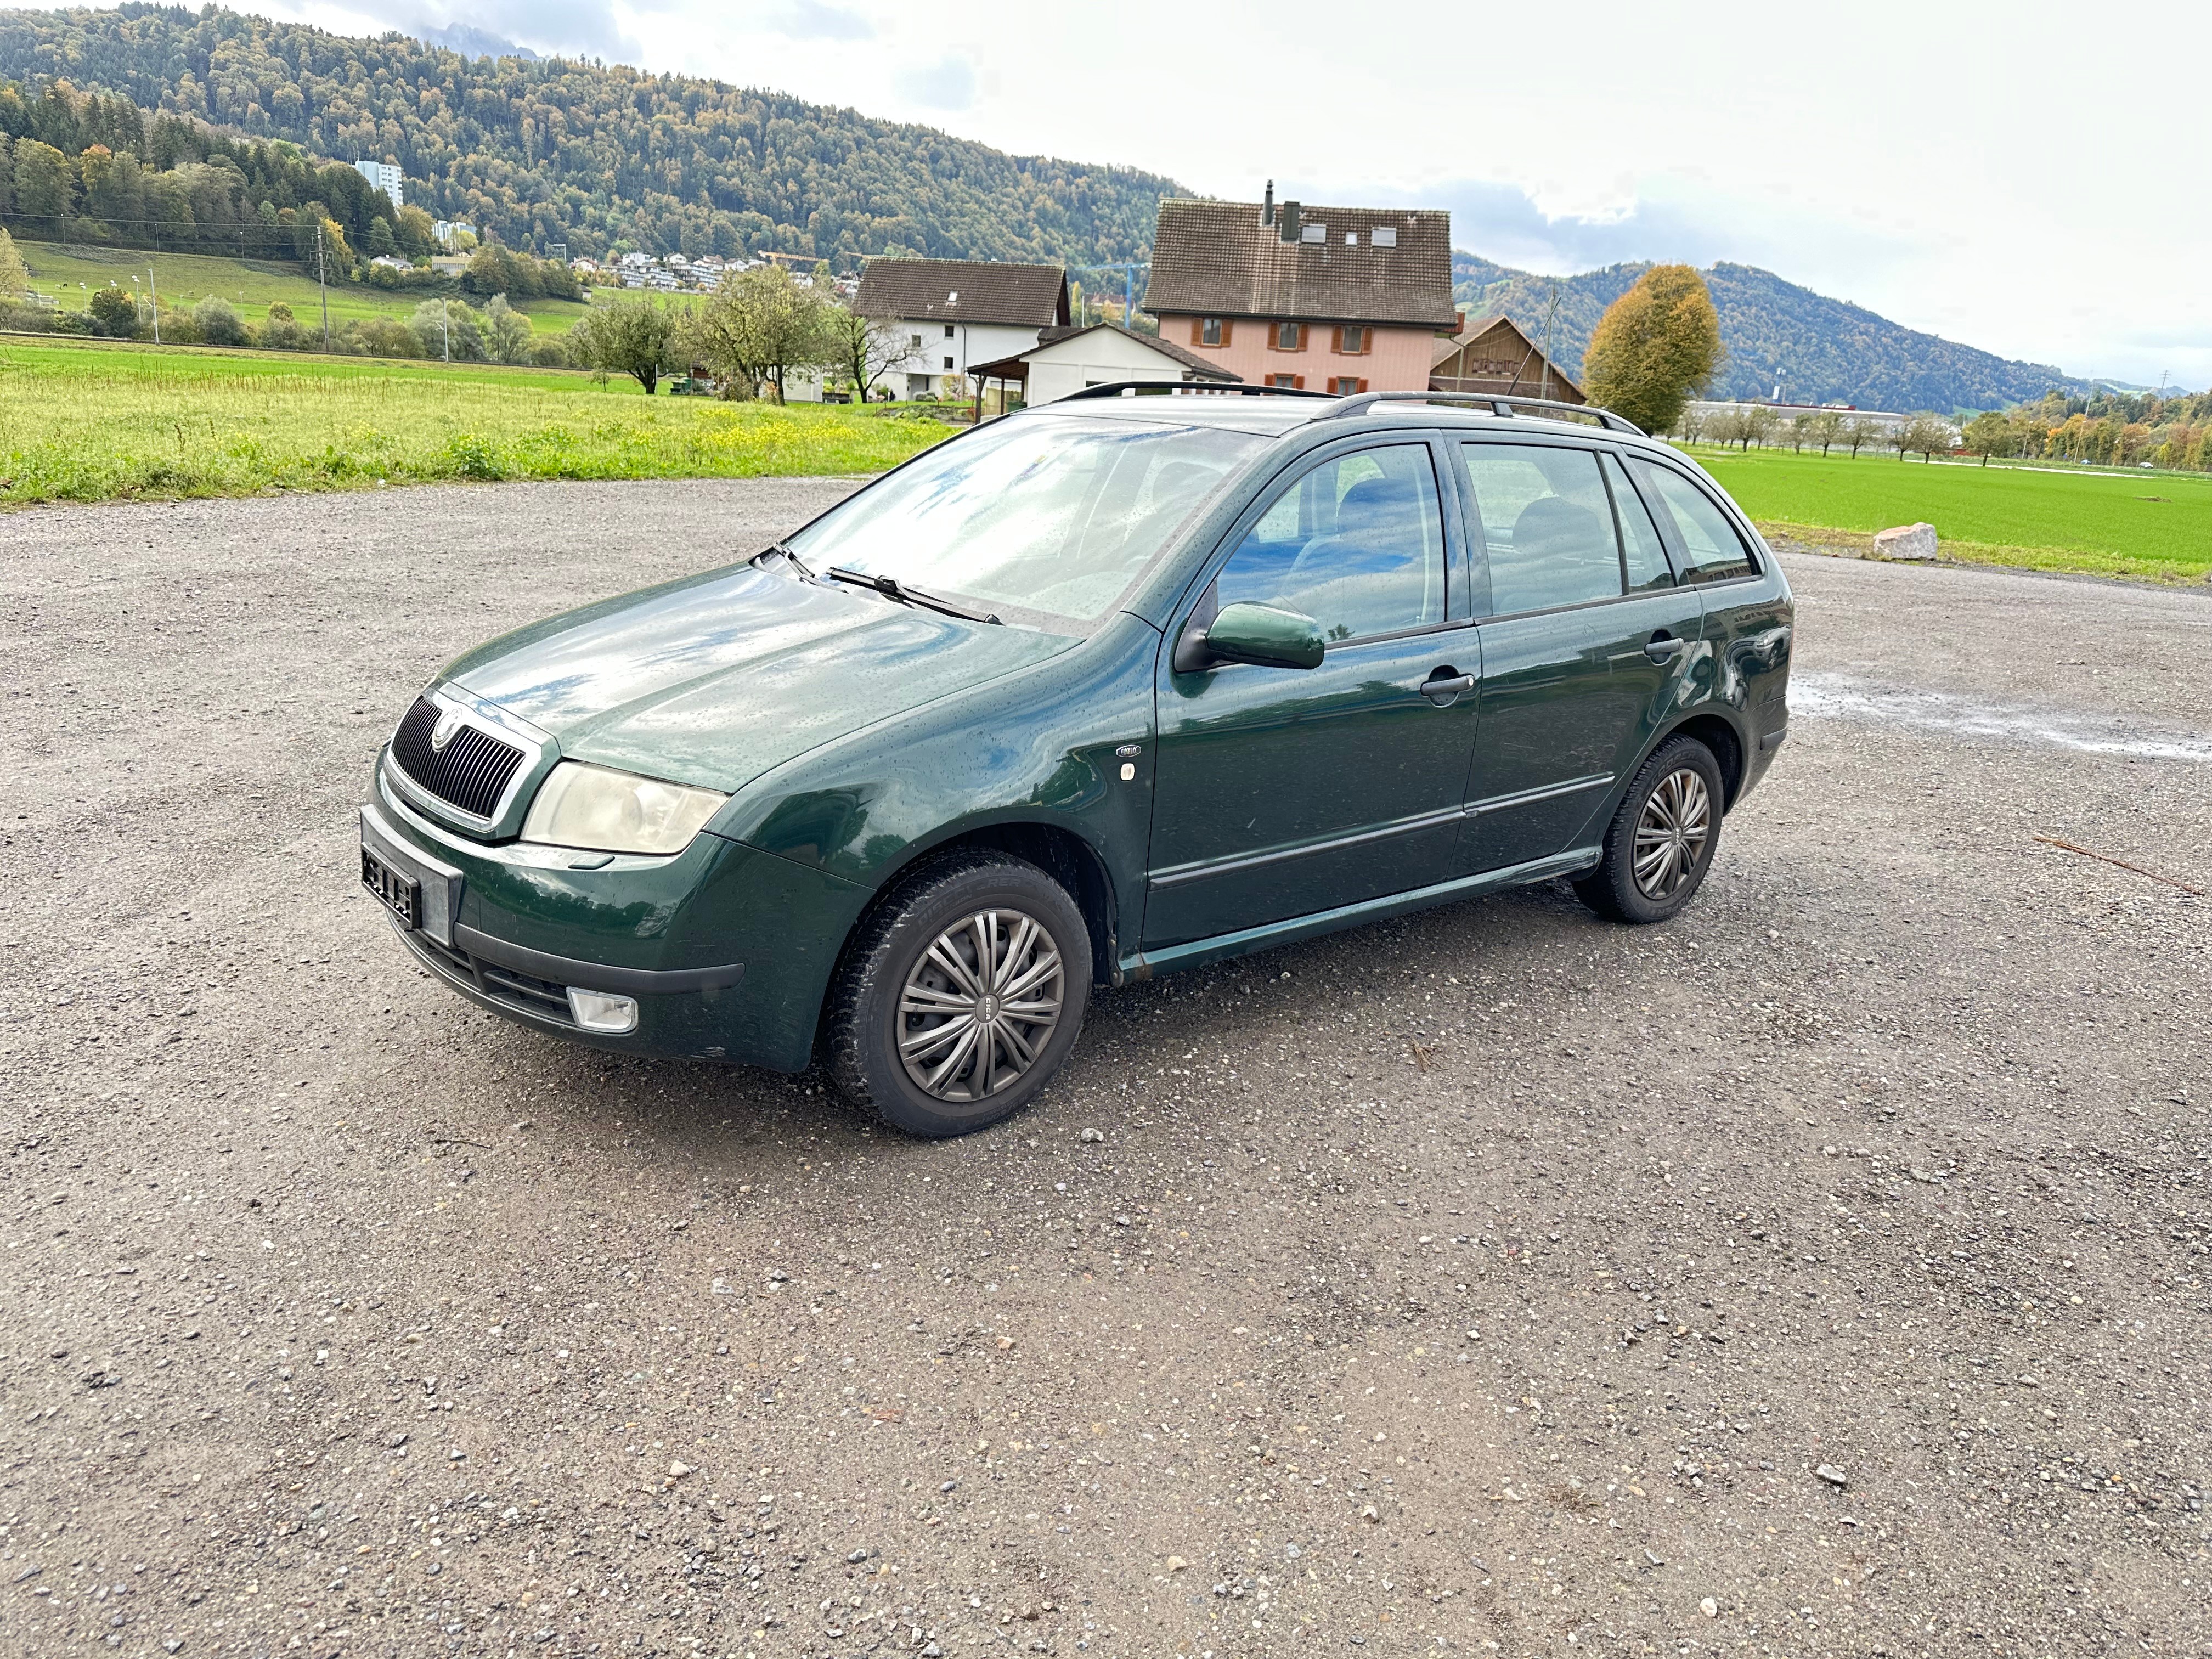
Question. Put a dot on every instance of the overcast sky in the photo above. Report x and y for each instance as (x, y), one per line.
(2036, 188)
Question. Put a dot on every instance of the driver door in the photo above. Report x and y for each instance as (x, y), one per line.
(1281, 791)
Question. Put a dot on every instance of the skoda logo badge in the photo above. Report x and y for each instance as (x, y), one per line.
(442, 732)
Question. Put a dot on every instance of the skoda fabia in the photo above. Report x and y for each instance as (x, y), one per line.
(1130, 683)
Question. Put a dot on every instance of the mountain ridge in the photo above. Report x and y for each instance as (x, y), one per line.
(1819, 350)
(541, 151)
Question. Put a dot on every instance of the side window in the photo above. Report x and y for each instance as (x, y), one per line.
(1715, 551)
(1547, 527)
(1643, 555)
(1356, 542)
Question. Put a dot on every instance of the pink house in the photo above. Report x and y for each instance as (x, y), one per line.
(1320, 299)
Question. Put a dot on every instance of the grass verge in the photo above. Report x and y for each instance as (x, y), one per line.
(85, 422)
(2153, 526)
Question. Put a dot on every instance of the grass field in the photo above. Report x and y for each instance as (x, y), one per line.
(73, 274)
(2157, 525)
(93, 421)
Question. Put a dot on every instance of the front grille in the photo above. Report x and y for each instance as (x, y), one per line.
(539, 998)
(471, 772)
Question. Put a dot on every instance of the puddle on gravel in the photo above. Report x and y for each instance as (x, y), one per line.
(1839, 696)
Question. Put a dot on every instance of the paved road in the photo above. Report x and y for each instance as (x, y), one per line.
(1494, 1281)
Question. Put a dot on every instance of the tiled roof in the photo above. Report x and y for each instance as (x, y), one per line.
(1221, 259)
(962, 291)
(1167, 348)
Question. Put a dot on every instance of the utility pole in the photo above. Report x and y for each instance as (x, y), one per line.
(1550, 311)
(322, 284)
(155, 293)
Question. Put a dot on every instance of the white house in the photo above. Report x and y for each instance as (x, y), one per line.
(1067, 360)
(384, 177)
(959, 312)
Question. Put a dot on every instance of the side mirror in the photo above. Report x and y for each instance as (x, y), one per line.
(1260, 633)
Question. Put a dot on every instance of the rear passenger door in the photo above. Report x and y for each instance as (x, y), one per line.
(1589, 640)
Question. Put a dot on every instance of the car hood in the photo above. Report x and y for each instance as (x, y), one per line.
(714, 679)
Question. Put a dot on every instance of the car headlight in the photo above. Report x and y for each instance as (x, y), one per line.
(608, 811)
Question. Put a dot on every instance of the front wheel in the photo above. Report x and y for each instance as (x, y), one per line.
(960, 997)
(1661, 840)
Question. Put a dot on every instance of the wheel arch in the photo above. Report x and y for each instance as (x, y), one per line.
(1058, 851)
(1719, 736)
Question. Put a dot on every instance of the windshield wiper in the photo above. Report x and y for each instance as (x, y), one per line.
(891, 588)
(796, 563)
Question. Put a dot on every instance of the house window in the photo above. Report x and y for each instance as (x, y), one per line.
(948, 331)
(948, 362)
(1313, 234)
(1345, 384)
(1384, 236)
(1287, 382)
(1353, 340)
(1290, 337)
(913, 341)
(1211, 331)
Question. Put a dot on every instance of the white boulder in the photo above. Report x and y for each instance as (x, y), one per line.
(1906, 541)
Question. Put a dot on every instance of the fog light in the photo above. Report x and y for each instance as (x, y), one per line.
(595, 1010)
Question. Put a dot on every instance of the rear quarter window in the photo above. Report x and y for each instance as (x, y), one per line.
(1712, 550)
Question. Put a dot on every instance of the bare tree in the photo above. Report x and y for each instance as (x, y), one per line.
(865, 351)
(1859, 433)
(1824, 427)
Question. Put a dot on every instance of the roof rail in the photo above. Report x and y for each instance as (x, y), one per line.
(1501, 404)
(1199, 388)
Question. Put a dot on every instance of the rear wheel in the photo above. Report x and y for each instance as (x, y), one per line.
(1662, 840)
(960, 997)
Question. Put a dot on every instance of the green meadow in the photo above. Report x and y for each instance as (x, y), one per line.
(74, 274)
(2040, 516)
(96, 421)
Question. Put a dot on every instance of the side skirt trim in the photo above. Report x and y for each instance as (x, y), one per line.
(1198, 952)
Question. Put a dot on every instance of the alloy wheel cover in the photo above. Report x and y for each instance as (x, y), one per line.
(979, 1006)
(1671, 832)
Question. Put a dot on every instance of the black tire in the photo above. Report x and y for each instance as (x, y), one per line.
(865, 1021)
(1614, 890)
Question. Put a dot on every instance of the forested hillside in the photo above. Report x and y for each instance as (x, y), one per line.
(554, 150)
(1820, 350)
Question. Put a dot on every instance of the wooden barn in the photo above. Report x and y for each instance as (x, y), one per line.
(1490, 354)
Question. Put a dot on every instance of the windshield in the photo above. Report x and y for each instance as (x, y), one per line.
(1055, 515)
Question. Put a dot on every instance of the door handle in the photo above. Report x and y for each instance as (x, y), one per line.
(1660, 646)
(1442, 686)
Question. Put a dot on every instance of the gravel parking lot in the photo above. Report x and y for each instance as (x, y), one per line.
(1825, 1272)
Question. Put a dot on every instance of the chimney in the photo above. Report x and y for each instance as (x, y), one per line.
(1268, 206)
(1287, 222)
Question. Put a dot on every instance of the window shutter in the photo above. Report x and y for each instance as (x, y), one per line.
(1297, 383)
(1336, 339)
(1227, 327)
(1362, 386)
(1198, 331)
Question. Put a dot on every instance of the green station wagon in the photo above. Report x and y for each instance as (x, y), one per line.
(1132, 682)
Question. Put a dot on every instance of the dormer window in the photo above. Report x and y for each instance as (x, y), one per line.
(1385, 236)
(1313, 233)
(953, 297)
(1352, 238)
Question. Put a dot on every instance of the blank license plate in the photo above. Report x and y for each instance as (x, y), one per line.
(401, 895)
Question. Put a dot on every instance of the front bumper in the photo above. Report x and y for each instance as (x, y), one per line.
(726, 949)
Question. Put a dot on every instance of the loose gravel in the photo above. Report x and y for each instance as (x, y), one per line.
(1825, 1273)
